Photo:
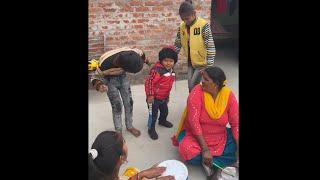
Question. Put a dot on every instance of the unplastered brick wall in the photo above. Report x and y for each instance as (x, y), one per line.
(143, 24)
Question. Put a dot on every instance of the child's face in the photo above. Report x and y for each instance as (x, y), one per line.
(188, 19)
(168, 63)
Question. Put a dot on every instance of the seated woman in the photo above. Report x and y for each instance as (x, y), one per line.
(108, 152)
(202, 136)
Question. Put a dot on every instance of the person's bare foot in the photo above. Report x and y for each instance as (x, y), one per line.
(134, 131)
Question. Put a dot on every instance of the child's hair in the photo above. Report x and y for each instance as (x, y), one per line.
(186, 8)
(217, 75)
(168, 52)
(190, 1)
(104, 154)
(130, 61)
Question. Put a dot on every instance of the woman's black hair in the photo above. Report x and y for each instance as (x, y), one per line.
(186, 8)
(109, 145)
(130, 61)
(168, 53)
(217, 75)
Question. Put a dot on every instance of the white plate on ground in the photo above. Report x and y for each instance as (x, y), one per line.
(175, 168)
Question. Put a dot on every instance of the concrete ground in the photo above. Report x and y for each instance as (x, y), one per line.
(143, 151)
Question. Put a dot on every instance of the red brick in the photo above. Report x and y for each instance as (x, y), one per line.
(109, 10)
(158, 30)
(137, 15)
(135, 3)
(93, 50)
(157, 8)
(95, 10)
(133, 21)
(106, 15)
(167, 3)
(96, 46)
(126, 21)
(104, 4)
(138, 26)
(153, 15)
(93, 16)
(151, 3)
(137, 37)
(171, 19)
(94, 41)
(141, 9)
(123, 37)
(113, 22)
(104, 27)
(143, 20)
(113, 43)
(126, 9)
(119, 15)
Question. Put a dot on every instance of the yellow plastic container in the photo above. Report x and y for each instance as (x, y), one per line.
(93, 64)
(131, 171)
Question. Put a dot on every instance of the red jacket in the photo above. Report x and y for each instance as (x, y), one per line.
(159, 82)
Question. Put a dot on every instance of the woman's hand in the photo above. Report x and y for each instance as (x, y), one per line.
(154, 172)
(165, 178)
(207, 158)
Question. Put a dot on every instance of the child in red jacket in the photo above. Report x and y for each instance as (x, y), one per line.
(158, 86)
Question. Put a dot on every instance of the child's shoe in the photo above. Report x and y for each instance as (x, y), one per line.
(165, 124)
(152, 133)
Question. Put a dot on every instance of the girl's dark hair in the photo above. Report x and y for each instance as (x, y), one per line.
(217, 75)
(109, 145)
(168, 53)
(186, 8)
(130, 61)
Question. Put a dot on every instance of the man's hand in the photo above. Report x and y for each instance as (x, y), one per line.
(103, 88)
(147, 61)
(112, 71)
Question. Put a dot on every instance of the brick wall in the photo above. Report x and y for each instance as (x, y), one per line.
(144, 24)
